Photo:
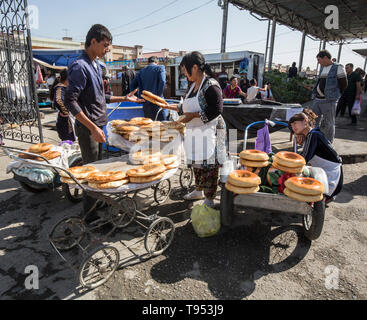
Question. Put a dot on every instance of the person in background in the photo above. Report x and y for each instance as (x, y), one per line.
(86, 101)
(317, 150)
(267, 94)
(292, 72)
(64, 126)
(232, 90)
(222, 78)
(253, 90)
(127, 76)
(365, 83)
(153, 79)
(244, 83)
(330, 85)
(51, 79)
(106, 82)
(351, 93)
(236, 74)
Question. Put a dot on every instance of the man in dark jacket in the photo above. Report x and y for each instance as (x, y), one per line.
(153, 79)
(127, 77)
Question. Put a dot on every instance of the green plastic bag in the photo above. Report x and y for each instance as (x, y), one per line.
(205, 220)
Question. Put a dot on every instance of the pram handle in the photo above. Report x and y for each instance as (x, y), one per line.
(272, 123)
(8, 150)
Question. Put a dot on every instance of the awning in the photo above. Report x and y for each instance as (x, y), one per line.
(57, 57)
(48, 65)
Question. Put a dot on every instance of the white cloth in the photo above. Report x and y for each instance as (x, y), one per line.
(200, 138)
(252, 93)
(332, 170)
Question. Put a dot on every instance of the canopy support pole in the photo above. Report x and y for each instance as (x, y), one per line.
(339, 52)
(267, 45)
(224, 26)
(272, 44)
(302, 51)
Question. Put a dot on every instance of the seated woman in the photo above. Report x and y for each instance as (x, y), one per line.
(267, 94)
(317, 150)
(232, 90)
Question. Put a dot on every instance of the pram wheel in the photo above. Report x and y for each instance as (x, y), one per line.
(98, 266)
(186, 177)
(162, 191)
(314, 223)
(159, 236)
(67, 233)
(123, 215)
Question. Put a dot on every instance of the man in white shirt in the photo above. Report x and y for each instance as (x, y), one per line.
(253, 90)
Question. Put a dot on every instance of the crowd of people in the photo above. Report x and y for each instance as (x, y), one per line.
(83, 93)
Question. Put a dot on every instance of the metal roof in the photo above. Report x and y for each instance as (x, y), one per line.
(362, 52)
(309, 16)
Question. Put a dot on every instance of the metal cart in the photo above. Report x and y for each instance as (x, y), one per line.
(312, 213)
(72, 194)
(100, 260)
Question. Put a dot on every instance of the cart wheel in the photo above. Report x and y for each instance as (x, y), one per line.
(67, 233)
(314, 223)
(162, 191)
(74, 195)
(159, 236)
(98, 266)
(32, 189)
(226, 206)
(123, 215)
(186, 178)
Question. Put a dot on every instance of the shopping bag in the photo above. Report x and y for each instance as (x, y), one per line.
(262, 142)
(205, 220)
(356, 110)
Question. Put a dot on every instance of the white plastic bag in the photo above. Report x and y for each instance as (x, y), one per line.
(356, 110)
(205, 220)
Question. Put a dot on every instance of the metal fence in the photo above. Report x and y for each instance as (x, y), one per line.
(19, 113)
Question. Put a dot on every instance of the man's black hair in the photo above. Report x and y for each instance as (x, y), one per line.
(98, 32)
(153, 59)
(350, 64)
(252, 82)
(324, 53)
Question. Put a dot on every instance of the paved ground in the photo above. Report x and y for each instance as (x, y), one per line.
(263, 256)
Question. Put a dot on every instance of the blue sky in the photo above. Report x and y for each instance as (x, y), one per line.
(129, 22)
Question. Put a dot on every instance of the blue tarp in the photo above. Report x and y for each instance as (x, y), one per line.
(58, 57)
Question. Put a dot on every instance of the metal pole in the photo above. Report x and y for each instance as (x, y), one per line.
(31, 74)
(302, 51)
(224, 26)
(324, 45)
(317, 66)
(267, 44)
(272, 44)
(339, 52)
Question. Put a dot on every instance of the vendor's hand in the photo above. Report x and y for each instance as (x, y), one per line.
(98, 135)
(131, 97)
(300, 139)
(190, 115)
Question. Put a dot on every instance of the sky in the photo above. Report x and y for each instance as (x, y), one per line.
(178, 25)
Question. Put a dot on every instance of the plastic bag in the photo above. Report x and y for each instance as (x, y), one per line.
(356, 110)
(205, 220)
(262, 142)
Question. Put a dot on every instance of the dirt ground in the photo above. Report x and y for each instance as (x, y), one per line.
(264, 255)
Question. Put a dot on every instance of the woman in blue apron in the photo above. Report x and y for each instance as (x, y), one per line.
(317, 150)
(204, 142)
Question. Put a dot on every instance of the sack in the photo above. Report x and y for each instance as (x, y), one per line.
(262, 142)
(356, 110)
(205, 220)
